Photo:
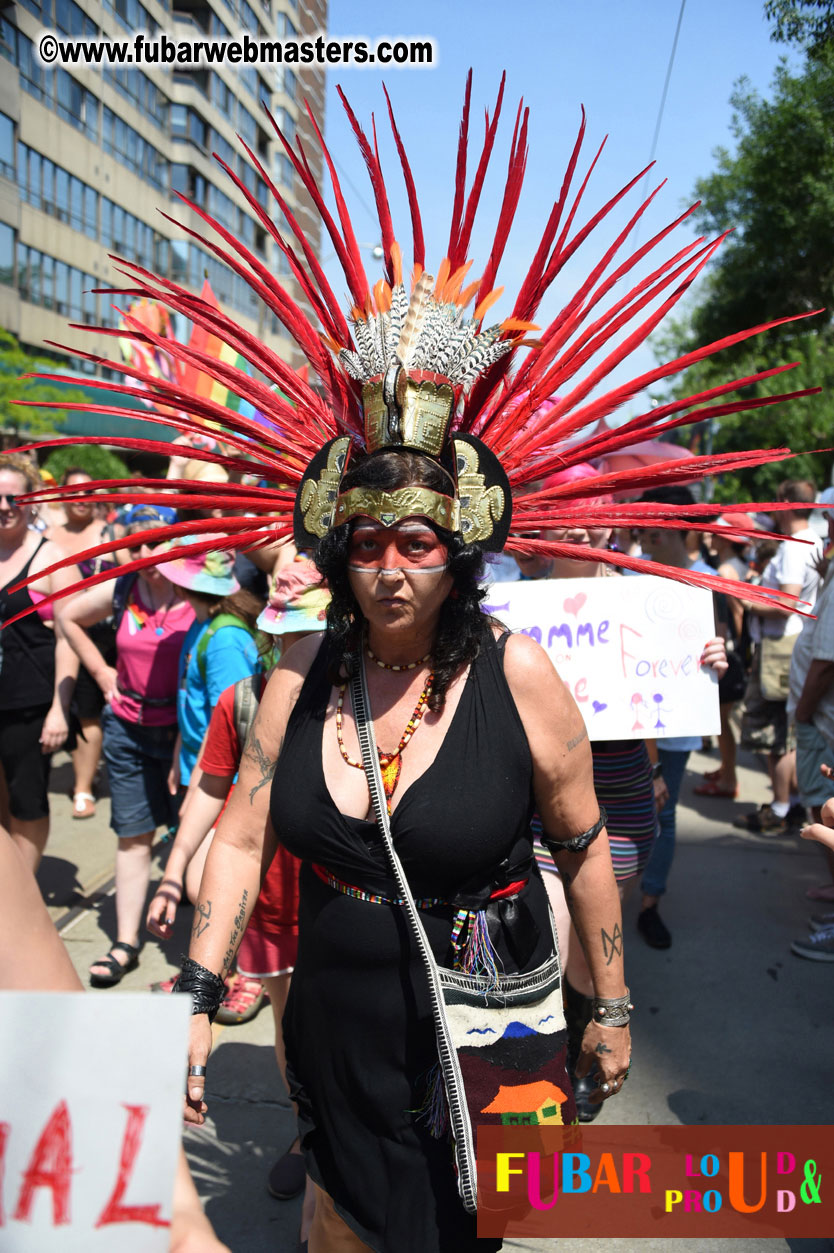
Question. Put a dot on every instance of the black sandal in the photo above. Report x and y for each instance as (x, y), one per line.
(116, 968)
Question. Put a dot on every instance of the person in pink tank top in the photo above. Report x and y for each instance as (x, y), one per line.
(139, 724)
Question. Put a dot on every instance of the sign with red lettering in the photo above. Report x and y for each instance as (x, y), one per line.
(90, 1119)
(629, 649)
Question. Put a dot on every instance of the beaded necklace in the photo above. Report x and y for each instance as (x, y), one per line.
(387, 665)
(390, 763)
(139, 616)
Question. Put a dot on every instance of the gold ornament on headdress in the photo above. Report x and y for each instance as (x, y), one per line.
(421, 415)
(480, 506)
(317, 499)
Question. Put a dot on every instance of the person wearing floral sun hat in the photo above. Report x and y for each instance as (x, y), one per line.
(298, 598)
(220, 646)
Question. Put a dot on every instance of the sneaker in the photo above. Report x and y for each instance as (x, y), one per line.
(653, 929)
(819, 947)
(288, 1177)
(820, 922)
(243, 1000)
(764, 822)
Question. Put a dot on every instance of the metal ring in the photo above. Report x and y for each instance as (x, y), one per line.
(606, 1087)
(196, 1072)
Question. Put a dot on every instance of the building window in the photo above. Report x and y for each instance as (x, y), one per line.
(283, 169)
(8, 40)
(6, 255)
(76, 215)
(76, 304)
(89, 300)
(47, 277)
(61, 293)
(61, 194)
(286, 81)
(6, 146)
(90, 212)
(48, 203)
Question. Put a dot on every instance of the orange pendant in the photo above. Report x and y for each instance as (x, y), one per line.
(390, 767)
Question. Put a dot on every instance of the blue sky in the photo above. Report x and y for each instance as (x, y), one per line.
(611, 57)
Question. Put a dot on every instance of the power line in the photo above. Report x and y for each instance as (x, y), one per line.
(666, 84)
(662, 108)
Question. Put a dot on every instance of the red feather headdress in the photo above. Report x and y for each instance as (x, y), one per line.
(502, 376)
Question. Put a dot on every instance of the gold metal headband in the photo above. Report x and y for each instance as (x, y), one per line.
(392, 507)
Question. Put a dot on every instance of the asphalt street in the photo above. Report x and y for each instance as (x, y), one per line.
(729, 1026)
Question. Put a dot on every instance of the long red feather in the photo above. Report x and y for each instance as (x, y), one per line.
(593, 332)
(374, 168)
(419, 247)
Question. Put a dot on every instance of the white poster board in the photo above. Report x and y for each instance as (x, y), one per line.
(91, 1097)
(628, 649)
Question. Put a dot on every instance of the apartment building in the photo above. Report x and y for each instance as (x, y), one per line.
(89, 157)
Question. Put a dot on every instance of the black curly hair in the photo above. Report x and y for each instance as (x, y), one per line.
(462, 626)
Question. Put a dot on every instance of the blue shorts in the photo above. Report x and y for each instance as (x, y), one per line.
(812, 751)
(138, 761)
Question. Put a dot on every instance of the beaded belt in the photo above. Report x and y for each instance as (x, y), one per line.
(470, 934)
(358, 894)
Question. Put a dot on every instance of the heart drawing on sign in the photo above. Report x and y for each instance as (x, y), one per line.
(599, 705)
(574, 603)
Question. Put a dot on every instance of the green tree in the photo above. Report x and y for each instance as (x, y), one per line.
(776, 192)
(15, 362)
(806, 22)
(99, 463)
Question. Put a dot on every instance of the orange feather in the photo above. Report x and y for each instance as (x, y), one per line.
(487, 303)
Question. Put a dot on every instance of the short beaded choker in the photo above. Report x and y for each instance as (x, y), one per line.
(387, 665)
(390, 763)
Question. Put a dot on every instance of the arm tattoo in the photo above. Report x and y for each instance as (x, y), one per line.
(602, 1048)
(612, 945)
(265, 764)
(577, 740)
(236, 931)
(202, 913)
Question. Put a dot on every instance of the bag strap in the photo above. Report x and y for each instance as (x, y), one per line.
(217, 624)
(247, 698)
(447, 1056)
(122, 588)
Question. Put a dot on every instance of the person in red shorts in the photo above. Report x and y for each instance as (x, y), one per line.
(297, 606)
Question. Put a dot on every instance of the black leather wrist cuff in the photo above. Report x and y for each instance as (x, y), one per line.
(205, 989)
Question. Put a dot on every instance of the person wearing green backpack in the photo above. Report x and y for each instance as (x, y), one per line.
(219, 648)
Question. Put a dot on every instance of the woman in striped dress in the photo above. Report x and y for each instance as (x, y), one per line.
(624, 784)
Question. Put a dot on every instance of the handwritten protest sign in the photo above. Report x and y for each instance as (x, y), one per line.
(90, 1120)
(628, 649)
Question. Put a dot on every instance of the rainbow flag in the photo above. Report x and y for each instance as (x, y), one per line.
(154, 361)
(197, 381)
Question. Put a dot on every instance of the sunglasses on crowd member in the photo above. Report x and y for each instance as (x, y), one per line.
(9, 500)
(135, 549)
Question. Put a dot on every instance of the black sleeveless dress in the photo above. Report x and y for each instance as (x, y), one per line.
(358, 1027)
(27, 649)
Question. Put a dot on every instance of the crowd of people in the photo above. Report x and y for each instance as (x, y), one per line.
(162, 671)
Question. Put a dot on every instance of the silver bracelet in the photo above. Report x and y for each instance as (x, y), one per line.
(612, 1011)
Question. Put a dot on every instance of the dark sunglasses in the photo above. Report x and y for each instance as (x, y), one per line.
(137, 548)
(9, 500)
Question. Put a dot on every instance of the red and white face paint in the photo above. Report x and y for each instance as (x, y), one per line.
(409, 547)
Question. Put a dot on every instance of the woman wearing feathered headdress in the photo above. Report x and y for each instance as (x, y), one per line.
(398, 470)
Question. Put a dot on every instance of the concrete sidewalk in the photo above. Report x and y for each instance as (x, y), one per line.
(729, 1026)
